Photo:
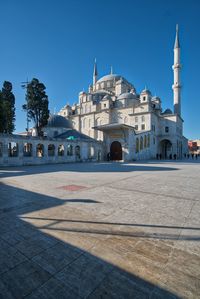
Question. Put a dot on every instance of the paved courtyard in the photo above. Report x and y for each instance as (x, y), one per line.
(100, 230)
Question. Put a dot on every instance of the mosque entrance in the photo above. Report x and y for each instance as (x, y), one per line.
(115, 151)
(165, 148)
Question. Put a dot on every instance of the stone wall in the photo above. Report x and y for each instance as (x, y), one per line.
(26, 150)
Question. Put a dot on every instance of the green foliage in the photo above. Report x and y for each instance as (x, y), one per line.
(7, 109)
(37, 104)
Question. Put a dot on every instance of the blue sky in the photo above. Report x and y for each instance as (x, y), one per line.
(57, 41)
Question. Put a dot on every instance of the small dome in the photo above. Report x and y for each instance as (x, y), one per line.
(168, 111)
(58, 121)
(110, 77)
(126, 95)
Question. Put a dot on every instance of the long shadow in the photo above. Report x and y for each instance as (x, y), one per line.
(80, 167)
(111, 223)
(34, 264)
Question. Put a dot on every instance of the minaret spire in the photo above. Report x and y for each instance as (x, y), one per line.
(177, 70)
(95, 73)
(111, 70)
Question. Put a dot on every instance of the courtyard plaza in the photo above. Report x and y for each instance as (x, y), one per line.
(100, 230)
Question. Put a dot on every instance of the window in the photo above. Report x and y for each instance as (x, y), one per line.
(104, 105)
(148, 142)
(61, 150)
(77, 152)
(1, 149)
(51, 150)
(136, 119)
(69, 150)
(91, 152)
(143, 127)
(12, 149)
(166, 129)
(143, 118)
(144, 98)
(137, 145)
(136, 127)
(40, 150)
(141, 143)
(145, 141)
(27, 150)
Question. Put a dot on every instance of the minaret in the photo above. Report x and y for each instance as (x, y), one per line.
(177, 70)
(95, 74)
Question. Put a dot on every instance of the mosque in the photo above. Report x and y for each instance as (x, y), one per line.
(111, 121)
(130, 125)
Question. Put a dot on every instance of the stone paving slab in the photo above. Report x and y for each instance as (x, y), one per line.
(133, 231)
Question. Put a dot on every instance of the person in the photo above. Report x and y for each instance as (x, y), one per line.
(170, 156)
(174, 156)
(157, 156)
(185, 155)
(160, 156)
(188, 155)
(192, 156)
(196, 156)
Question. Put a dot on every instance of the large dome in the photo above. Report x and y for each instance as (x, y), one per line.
(58, 121)
(110, 77)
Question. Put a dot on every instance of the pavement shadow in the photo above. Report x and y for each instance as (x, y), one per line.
(35, 264)
(81, 167)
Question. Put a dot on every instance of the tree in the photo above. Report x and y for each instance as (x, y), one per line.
(37, 104)
(7, 108)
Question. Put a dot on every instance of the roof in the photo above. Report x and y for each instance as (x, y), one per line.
(72, 134)
(113, 126)
(126, 95)
(58, 121)
(110, 77)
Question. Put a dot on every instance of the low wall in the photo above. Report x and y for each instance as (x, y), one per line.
(16, 150)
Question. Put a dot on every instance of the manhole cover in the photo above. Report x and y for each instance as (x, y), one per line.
(72, 187)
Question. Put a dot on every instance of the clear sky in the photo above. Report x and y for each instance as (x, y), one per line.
(57, 41)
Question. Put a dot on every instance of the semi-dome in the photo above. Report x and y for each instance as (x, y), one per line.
(58, 121)
(168, 111)
(126, 95)
(107, 97)
(110, 77)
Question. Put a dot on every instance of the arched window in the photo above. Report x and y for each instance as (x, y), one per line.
(27, 150)
(51, 150)
(91, 152)
(13, 149)
(40, 150)
(61, 150)
(69, 150)
(141, 143)
(145, 141)
(137, 145)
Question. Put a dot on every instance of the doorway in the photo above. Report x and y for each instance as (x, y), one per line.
(115, 151)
